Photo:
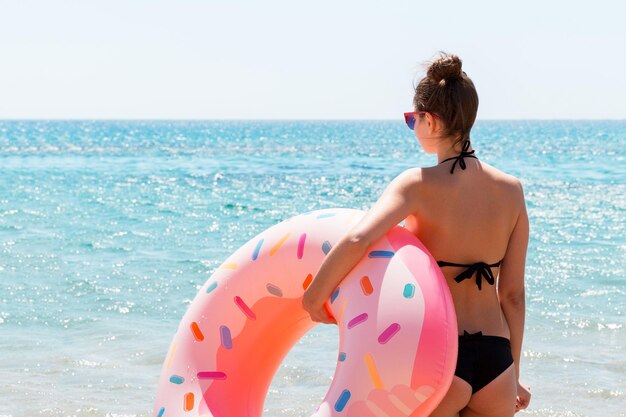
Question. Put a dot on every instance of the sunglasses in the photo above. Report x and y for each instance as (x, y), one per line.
(409, 118)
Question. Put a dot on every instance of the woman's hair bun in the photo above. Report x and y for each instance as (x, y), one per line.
(446, 67)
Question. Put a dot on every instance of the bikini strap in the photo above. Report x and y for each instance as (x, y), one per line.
(482, 270)
(464, 154)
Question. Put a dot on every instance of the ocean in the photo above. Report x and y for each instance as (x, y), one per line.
(109, 228)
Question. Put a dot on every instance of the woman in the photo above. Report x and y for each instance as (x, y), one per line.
(472, 217)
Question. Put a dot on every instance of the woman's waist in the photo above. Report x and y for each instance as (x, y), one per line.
(468, 338)
(486, 319)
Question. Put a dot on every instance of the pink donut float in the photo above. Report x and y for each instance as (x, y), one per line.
(397, 326)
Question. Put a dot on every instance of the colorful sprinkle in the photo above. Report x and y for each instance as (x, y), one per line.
(211, 287)
(366, 285)
(279, 244)
(343, 307)
(197, 333)
(342, 401)
(244, 308)
(171, 356)
(225, 338)
(371, 369)
(326, 247)
(388, 333)
(211, 375)
(307, 281)
(177, 379)
(274, 290)
(334, 296)
(161, 412)
(257, 249)
(342, 356)
(229, 266)
(325, 215)
(301, 245)
(409, 291)
(188, 402)
(380, 254)
(357, 320)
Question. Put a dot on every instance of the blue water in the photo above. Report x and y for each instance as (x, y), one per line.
(108, 229)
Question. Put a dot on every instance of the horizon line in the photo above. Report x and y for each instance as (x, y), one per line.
(279, 120)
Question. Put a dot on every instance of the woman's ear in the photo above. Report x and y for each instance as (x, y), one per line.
(431, 122)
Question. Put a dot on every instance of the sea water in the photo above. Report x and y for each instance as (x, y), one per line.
(109, 228)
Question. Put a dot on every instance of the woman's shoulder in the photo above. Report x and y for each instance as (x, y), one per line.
(410, 175)
(501, 177)
(509, 185)
(408, 182)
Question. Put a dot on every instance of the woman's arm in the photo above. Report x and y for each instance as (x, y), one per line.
(394, 205)
(511, 282)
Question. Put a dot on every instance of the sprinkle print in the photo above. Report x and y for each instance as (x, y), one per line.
(380, 254)
(343, 308)
(197, 333)
(211, 287)
(225, 338)
(357, 320)
(366, 285)
(373, 371)
(301, 245)
(257, 249)
(388, 333)
(334, 296)
(326, 247)
(188, 401)
(211, 375)
(279, 244)
(171, 356)
(342, 401)
(177, 379)
(274, 290)
(244, 308)
(307, 281)
(409, 291)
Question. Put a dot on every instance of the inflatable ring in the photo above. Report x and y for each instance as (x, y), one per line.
(397, 326)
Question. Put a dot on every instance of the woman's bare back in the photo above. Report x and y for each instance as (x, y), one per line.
(465, 218)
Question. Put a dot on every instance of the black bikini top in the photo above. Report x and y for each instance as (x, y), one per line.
(464, 154)
(482, 270)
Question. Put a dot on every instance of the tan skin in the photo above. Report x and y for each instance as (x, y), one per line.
(476, 214)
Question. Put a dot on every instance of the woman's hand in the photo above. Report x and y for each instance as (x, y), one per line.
(523, 397)
(317, 309)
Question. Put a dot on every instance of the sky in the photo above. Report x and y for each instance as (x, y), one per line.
(324, 59)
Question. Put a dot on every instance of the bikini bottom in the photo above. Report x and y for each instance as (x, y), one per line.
(482, 358)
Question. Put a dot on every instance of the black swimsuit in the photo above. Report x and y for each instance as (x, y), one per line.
(481, 358)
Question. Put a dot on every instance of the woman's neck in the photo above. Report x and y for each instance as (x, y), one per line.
(446, 150)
